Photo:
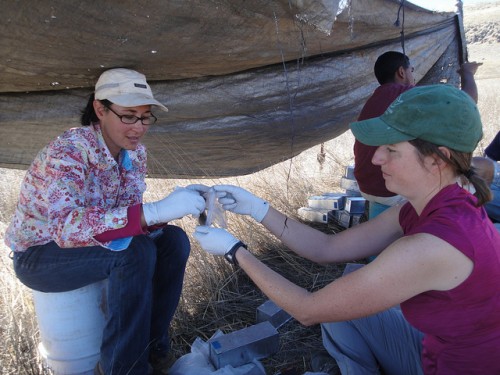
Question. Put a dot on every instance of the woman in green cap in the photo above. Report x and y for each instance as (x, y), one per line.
(429, 303)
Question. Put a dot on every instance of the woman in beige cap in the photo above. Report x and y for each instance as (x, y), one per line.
(80, 219)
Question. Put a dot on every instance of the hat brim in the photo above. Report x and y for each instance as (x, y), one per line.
(376, 132)
(135, 100)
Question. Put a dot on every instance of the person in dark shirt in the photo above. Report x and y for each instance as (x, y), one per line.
(488, 167)
(394, 72)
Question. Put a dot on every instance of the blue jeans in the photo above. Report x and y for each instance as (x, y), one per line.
(381, 342)
(493, 207)
(144, 286)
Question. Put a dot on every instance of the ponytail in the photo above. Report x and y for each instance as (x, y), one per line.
(483, 192)
(89, 116)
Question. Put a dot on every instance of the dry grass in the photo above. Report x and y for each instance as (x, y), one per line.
(18, 327)
(215, 295)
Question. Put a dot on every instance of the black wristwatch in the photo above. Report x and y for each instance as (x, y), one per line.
(230, 255)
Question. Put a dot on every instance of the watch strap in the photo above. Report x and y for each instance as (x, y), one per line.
(231, 254)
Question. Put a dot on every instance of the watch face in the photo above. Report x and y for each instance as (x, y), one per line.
(230, 255)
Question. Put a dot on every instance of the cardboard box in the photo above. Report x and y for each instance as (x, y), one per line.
(272, 313)
(349, 172)
(351, 267)
(327, 201)
(316, 215)
(349, 184)
(346, 219)
(243, 346)
(352, 193)
(355, 205)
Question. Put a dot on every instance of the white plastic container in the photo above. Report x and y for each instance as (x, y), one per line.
(71, 325)
(316, 215)
(328, 202)
(355, 205)
(349, 184)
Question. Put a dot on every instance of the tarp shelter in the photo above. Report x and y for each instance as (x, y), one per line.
(248, 83)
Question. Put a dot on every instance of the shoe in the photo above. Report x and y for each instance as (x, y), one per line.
(325, 363)
(161, 362)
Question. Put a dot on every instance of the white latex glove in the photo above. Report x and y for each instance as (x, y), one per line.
(203, 190)
(200, 188)
(216, 241)
(179, 203)
(241, 202)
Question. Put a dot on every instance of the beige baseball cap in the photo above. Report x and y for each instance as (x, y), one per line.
(126, 88)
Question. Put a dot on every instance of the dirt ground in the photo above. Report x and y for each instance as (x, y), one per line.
(482, 31)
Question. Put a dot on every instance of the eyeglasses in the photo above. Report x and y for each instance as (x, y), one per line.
(131, 119)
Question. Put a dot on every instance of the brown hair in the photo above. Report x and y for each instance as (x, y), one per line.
(88, 115)
(461, 162)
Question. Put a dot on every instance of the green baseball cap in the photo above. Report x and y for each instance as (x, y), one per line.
(440, 114)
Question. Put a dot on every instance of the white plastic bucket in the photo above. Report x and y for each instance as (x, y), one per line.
(71, 325)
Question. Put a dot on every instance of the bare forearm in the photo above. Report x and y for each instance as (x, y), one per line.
(277, 288)
(468, 83)
(352, 244)
(343, 299)
(300, 238)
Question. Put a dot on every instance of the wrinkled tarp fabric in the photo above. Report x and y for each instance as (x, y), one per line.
(248, 83)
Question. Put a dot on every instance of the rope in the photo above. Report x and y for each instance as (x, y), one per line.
(397, 23)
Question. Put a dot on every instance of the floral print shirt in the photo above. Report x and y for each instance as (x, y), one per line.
(75, 190)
